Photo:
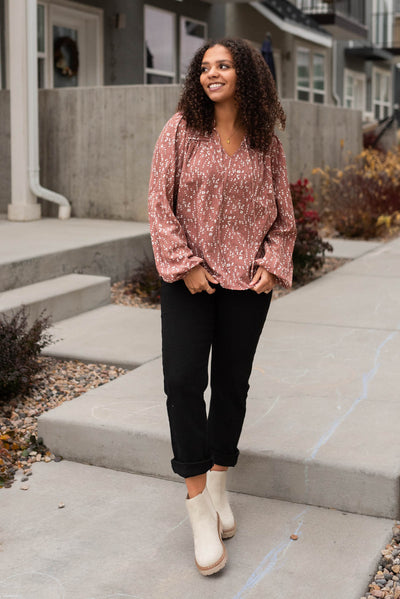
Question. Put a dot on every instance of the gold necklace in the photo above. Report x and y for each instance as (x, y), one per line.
(228, 141)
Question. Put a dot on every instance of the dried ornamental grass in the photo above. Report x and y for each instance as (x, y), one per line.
(362, 200)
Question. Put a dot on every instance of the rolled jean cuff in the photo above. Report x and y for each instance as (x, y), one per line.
(225, 459)
(187, 469)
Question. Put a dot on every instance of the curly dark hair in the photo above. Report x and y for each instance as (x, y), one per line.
(256, 95)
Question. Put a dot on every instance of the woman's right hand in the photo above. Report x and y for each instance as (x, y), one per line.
(198, 279)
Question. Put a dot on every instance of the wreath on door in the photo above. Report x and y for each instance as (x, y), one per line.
(66, 56)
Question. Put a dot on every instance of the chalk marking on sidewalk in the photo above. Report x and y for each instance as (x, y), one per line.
(253, 424)
(270, 560)
(366, 380)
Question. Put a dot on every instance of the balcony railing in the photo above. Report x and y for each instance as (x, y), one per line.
(347, 8)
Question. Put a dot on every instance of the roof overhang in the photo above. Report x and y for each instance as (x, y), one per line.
(369, 53)
(341, 27)
(293, 28)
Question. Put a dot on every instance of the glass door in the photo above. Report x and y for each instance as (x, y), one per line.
(65, 56)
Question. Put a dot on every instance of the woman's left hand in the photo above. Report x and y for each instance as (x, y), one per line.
(263, 281)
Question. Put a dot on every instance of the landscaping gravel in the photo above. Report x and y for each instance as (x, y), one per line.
(386, 582)
(59, 381)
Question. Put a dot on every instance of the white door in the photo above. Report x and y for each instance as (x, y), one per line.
(76, 49)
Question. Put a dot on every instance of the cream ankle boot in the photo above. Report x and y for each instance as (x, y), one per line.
(216, 485)
(209, 550)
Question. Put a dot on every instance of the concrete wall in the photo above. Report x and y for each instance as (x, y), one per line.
(318, 135)
(97, 143)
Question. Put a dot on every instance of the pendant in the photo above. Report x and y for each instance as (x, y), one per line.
(228, 141)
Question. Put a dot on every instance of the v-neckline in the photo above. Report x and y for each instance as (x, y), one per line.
(222, 147)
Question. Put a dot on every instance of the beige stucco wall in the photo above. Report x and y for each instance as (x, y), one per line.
(96, 144)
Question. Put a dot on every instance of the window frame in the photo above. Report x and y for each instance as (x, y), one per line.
(151, 71)
(382, 10)
(183, 18)
(357, 76)
(310, 89)
(43, 55)
(382, 104)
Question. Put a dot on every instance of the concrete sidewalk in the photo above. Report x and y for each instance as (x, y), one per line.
(322, 429)
(123, 535)
(325, 374)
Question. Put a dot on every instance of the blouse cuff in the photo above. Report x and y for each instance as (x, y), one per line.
(171, 274)
(284, 275)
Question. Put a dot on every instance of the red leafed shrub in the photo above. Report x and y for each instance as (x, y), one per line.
(310, 248)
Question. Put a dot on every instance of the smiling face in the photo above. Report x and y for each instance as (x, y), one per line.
(218, 75)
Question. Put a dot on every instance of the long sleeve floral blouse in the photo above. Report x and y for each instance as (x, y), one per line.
(233, 213)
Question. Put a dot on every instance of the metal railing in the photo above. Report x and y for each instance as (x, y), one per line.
(348, 8)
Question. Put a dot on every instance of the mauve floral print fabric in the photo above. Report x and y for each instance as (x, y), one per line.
(233, 213)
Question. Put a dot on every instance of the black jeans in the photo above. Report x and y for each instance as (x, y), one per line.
(229, 322)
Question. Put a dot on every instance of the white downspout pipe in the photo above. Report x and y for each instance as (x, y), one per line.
(64, 210)
(334, 73)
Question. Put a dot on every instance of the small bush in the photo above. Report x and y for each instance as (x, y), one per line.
(20, 347)
(309, 249)
(357, 200)
(146, 282)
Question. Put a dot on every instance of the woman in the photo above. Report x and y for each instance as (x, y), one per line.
(223, 230)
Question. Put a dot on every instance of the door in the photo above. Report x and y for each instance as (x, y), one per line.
(76, 52)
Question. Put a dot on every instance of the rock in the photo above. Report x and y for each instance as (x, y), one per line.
(396, 568)
(47, 459)
(61, 505)
(24, 487)
(294, 537)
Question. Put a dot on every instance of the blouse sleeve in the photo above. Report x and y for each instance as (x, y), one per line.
(279, 242)
(172, 255)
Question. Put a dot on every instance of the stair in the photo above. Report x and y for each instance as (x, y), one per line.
(61, 297)
(49, 248)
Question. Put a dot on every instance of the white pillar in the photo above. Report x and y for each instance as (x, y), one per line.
(23, 205)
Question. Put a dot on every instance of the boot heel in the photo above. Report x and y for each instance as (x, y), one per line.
(210, 552)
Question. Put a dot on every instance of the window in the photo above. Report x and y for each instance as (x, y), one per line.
(354, 90)
(319, 78)
(160, 45)
(310, 76)
(303, 75)
(193, 36)
(382, 23)
(381, 93)
(41, 45)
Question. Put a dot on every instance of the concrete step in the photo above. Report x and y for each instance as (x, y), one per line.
(295, 447)
(62, 297)
(323, 412)
(120, 335)
(35, 251)
(137, 529)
